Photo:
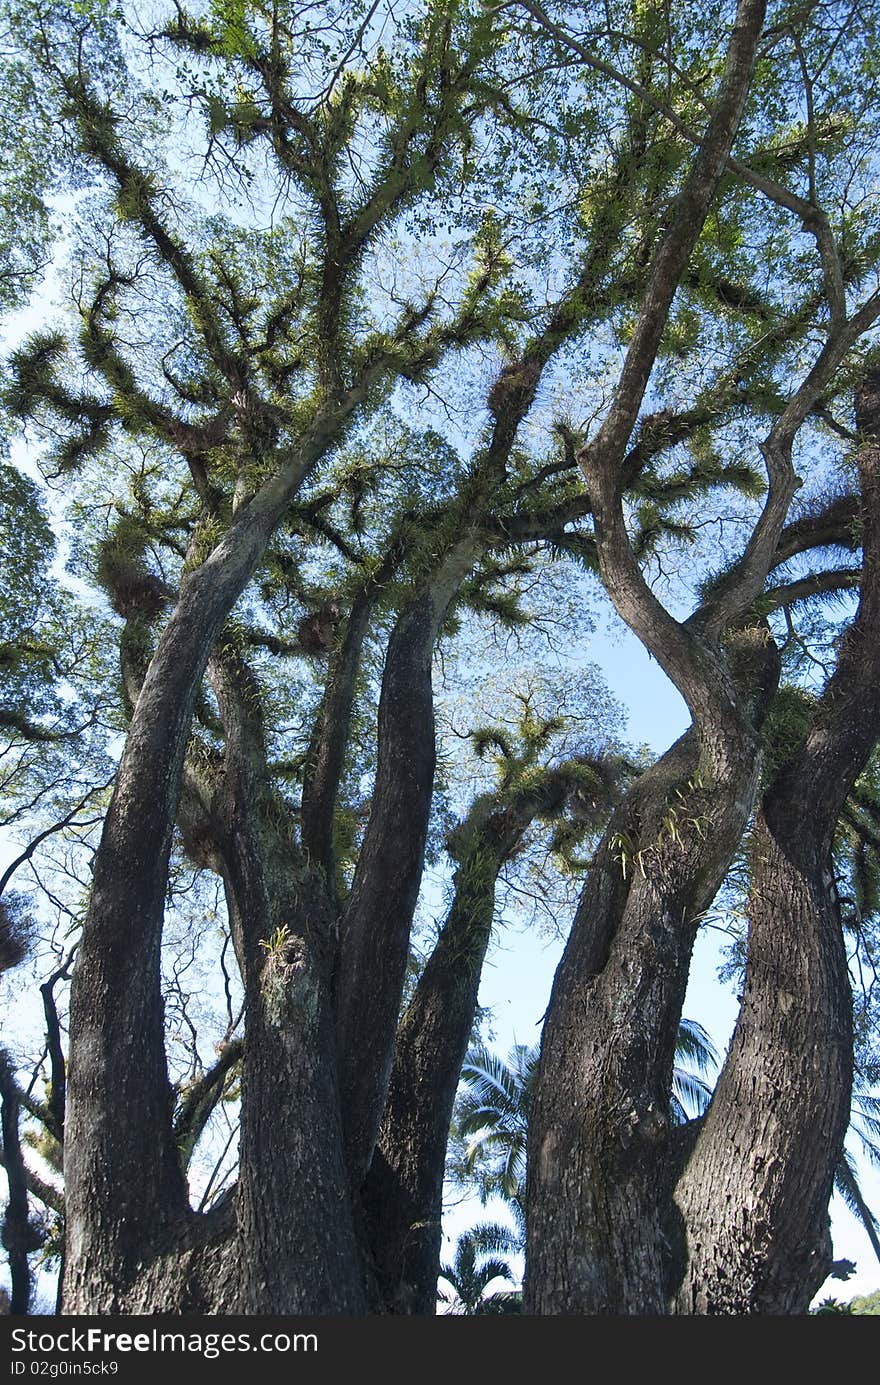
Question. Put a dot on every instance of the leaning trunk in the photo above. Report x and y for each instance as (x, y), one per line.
(754, 1196)
(755, 1193)
(599, 1146)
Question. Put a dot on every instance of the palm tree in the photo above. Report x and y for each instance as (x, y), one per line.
(491, 1117)
(691, 1092)
(490, 1123)
(865, 1124)
(832, 1305)
(490, 1126)
(478, 1260)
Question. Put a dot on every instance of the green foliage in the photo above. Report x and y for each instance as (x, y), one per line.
(441, 219)
(866, 1304)
(490, 1121)
(16, 930)
(479, 1259)
(788, 720)
(30, 611)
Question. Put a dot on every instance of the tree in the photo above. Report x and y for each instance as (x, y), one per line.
(491, 1115)
(478, 1261)
(620, 986)
(832, 1305)
(464, 300)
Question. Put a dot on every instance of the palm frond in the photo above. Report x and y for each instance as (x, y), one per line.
(865, 1124)
(846, 1183)
(691, 1092)
(677, 1112)
(492, 1238)
(495, 1268)
(490, 1079)
(693, 1045)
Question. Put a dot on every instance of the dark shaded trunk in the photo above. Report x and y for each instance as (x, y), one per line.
(296, 1244)
(297, 1252)
(16, 1237)
(126, 1196)
(754, 1195)
(597, 1197)
(117, 1055)
(329, 740)
(374, 945)
(403, 1193)
(376, 926)
(755, 1192)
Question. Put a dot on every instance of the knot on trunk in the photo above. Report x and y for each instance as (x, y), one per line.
(287, 981)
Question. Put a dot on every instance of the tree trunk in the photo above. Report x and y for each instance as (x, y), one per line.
(754, 1195)
(297, 1248)
(764, 1162)
(126, 1196)
(403, 1193)
(599, 1144)
(299, 1252)
(375, 932)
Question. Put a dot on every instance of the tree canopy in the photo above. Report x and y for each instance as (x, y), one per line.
(393, 348)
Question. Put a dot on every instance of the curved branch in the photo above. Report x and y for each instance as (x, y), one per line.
(812, 217)
(329, 739)
(817, 584)
(376, 926)
(198, 1105)
(58, 1098)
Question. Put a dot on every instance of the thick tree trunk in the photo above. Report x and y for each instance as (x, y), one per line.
(296, 1242)
(754, 1195)
(17, 1237)
(597, 1198)
(299, 1253)
(404, 1189)
(403, 1193)
(126, 1196)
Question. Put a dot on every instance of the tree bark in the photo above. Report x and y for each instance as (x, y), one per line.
(296, 1243)
(375, 930)
(754, 1195)
(767, 1151)
(16, 1237)
(126, 1195)
(599, 1142)
(403, 1193)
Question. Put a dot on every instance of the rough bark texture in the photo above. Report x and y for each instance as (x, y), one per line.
(125, 1191)
(296, 1240)
(296, 1233)
(754, 1196)
(403, 1193)
(404, 1190)
(16, 1233)
(600, 1127)
(755, 1193)
(377, 923)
